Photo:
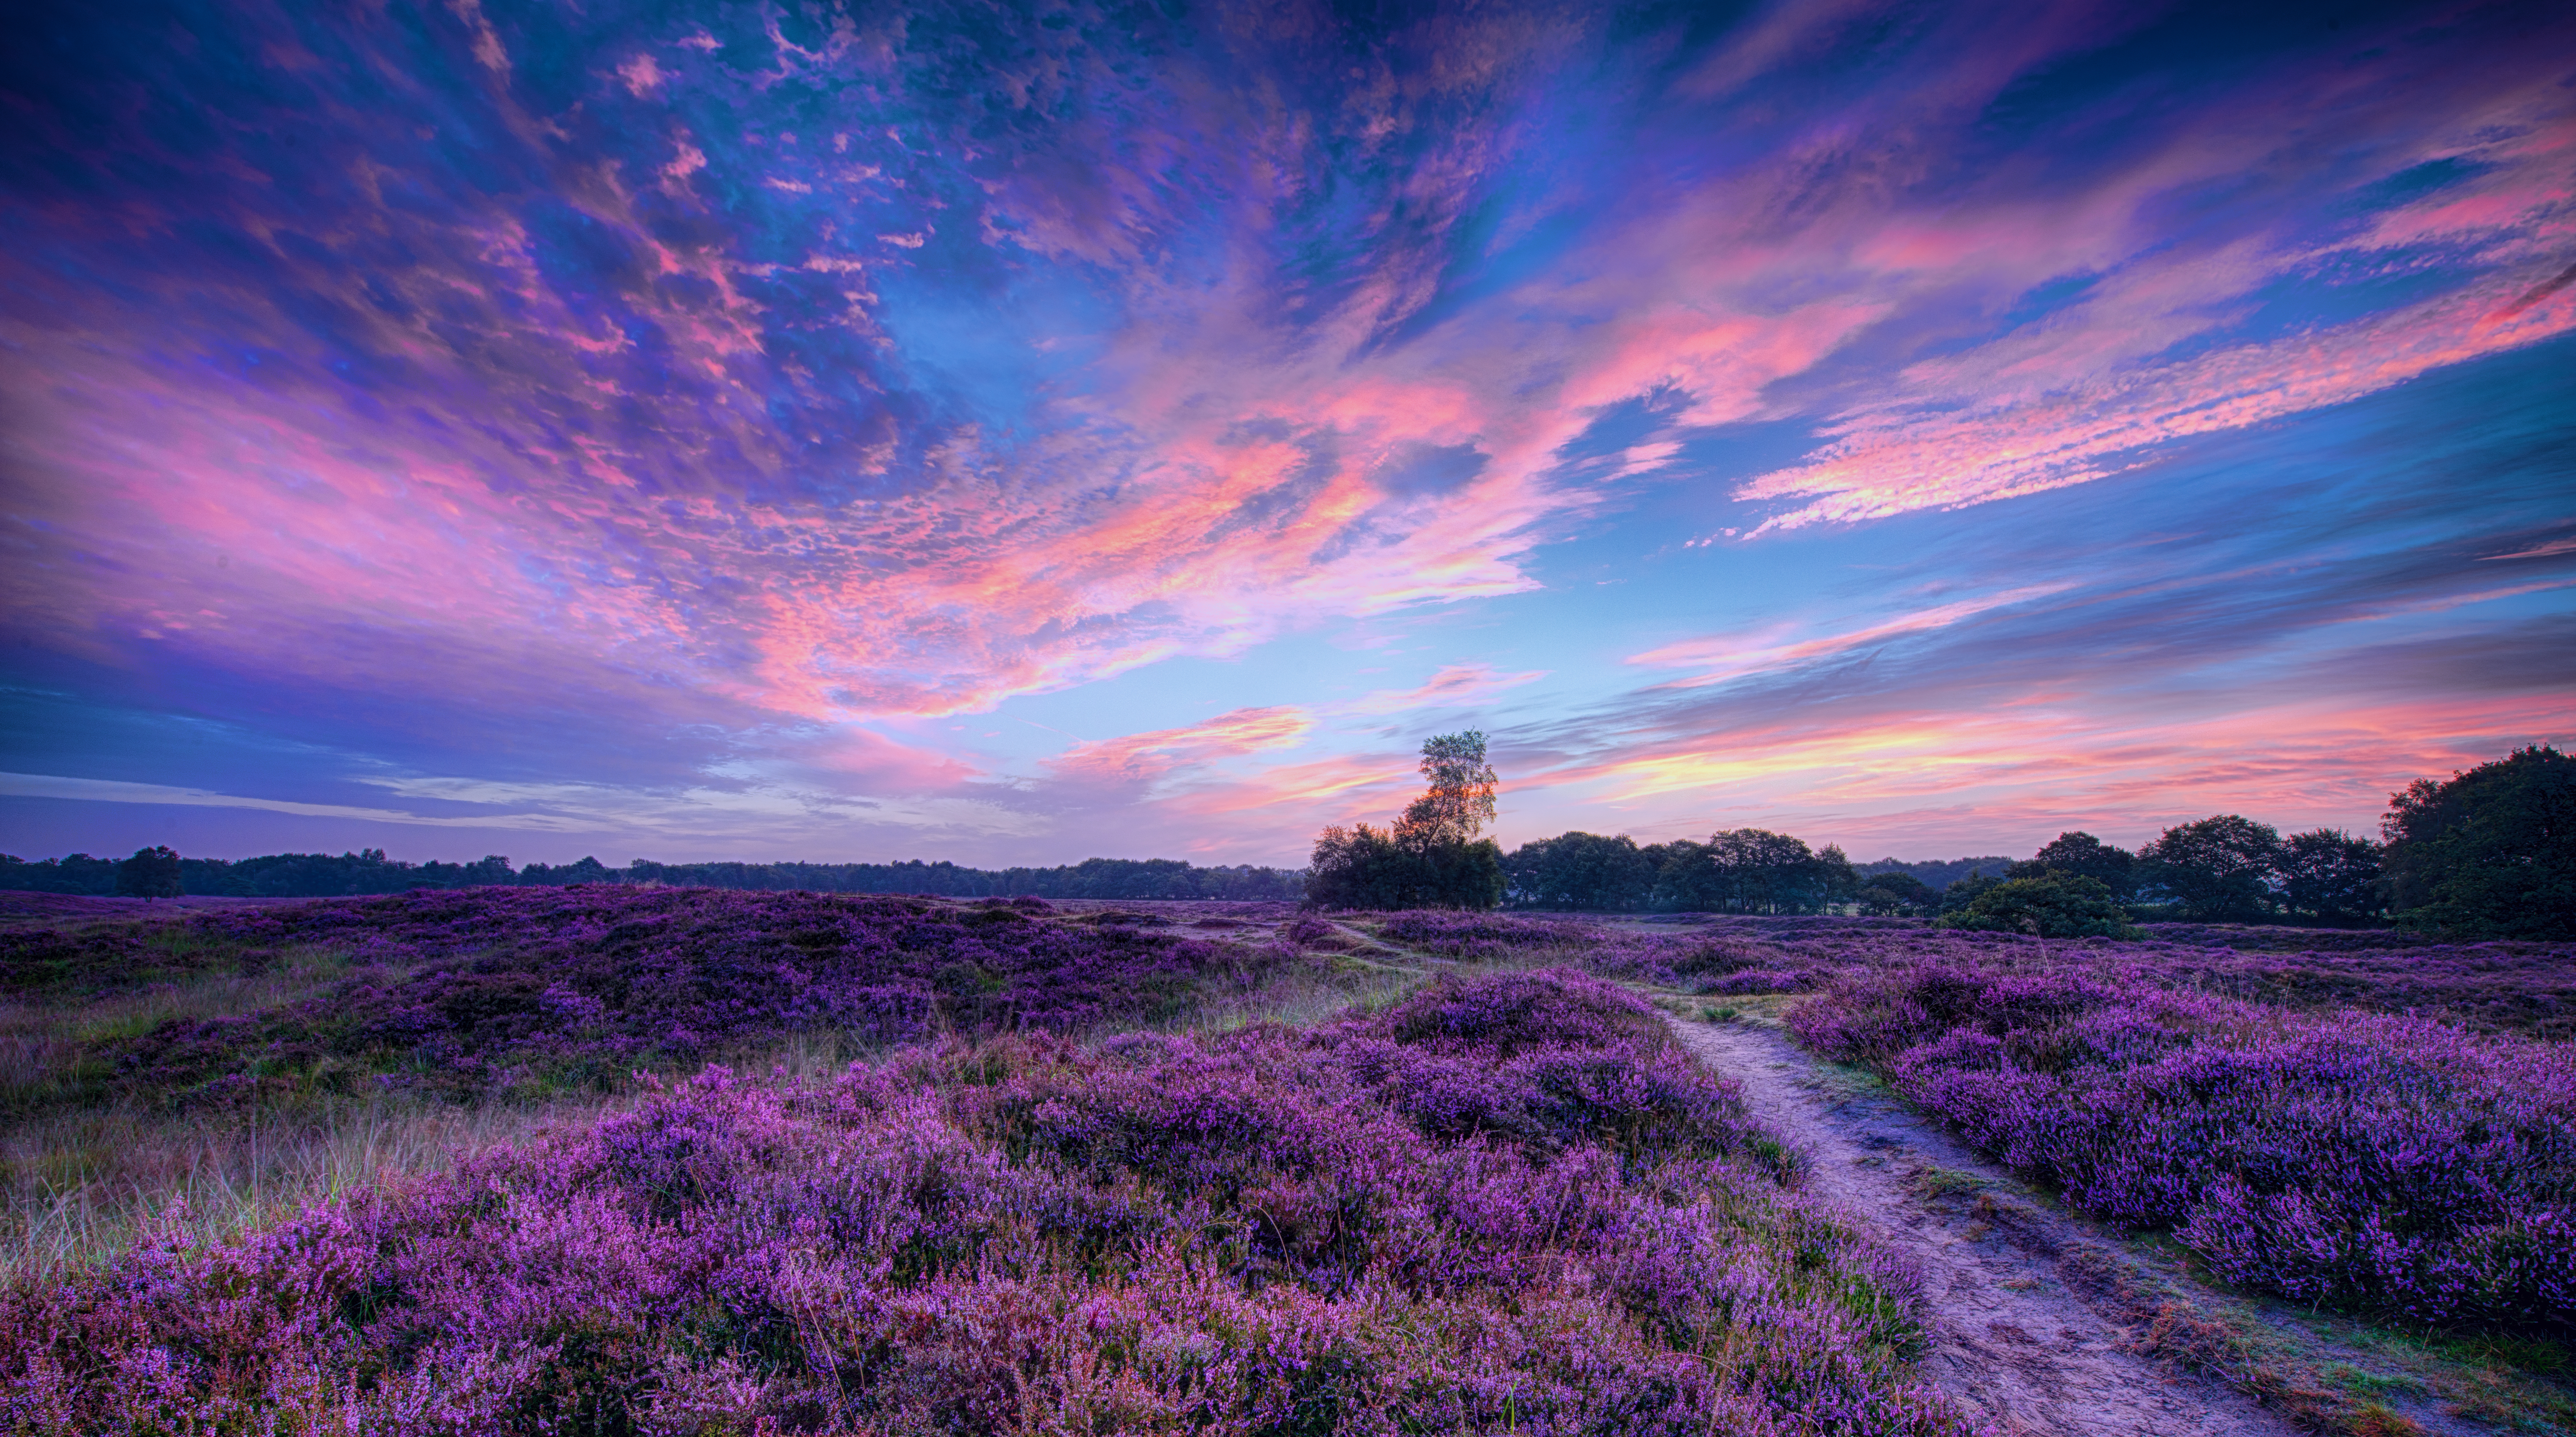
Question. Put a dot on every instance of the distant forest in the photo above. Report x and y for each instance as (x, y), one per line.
(324, 875)
(1938, 873)
(2490, 852)
(329, 875)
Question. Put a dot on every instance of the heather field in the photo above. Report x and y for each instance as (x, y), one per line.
(659, 1160)
(2350, 1119)
(250, 1055)
(1506, 1203)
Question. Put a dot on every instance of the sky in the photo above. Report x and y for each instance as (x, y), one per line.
(1020, 433)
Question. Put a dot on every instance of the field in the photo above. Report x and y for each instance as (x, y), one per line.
(663, 1160)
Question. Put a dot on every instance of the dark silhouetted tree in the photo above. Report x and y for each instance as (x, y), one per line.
(1580, 871)
(1752, 870)
(2492, 852)
(2082, 853)
(150, 873)
(2219, 869)
(1889, 894)
(1432, 857)
(2328, 876)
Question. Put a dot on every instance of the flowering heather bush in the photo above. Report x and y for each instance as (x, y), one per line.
(1505, 1207)
(1449, 934)
(2392, 1164)
(2497, 987)
(471, 990)
(2522, 987)
(1703, 962)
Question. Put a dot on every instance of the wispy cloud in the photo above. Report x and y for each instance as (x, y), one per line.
(1142, 757)
(95, 790)
(1456, 685)
(1720, 659)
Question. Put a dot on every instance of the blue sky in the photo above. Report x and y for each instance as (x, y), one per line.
(1019, 434)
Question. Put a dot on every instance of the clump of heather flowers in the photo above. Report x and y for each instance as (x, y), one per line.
(473, 991)
(1450, 934)
(2497, 986)
(2386, 1163)
(1502, 1206)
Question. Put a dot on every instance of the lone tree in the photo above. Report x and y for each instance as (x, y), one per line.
(2491, 853)
(1432, 857)
(150, 873)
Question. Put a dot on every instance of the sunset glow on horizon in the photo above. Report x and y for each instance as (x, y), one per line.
(1013, 435)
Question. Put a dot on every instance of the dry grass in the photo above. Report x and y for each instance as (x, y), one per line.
(46, 1041)
(81, 1185)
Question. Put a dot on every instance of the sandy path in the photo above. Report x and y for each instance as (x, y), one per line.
(2010, 1341)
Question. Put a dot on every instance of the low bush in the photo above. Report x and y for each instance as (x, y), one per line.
(2046, 905)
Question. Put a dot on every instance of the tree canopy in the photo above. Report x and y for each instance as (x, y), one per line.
(1885, 894)
(2218, 869)
(1753, 870)
(150, 873)
(2491, 852)
(2330, 877)
(2080, 853)
(2048, 904)
(1431, 857)
(1582, 871)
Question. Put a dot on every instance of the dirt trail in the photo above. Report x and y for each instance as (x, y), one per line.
(2010, 1341)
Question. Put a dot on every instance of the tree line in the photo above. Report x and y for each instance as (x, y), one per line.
(1745, 870)
(158, 872)
(1432, 856)
(2489, 852)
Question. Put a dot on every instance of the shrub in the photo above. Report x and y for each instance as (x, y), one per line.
(2047, 905)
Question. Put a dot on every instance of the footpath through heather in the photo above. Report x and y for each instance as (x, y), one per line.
(2015, 1338)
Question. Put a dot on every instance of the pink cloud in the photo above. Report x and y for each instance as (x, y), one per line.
(1143, 757)
(2076, 397)
(1454, 685)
